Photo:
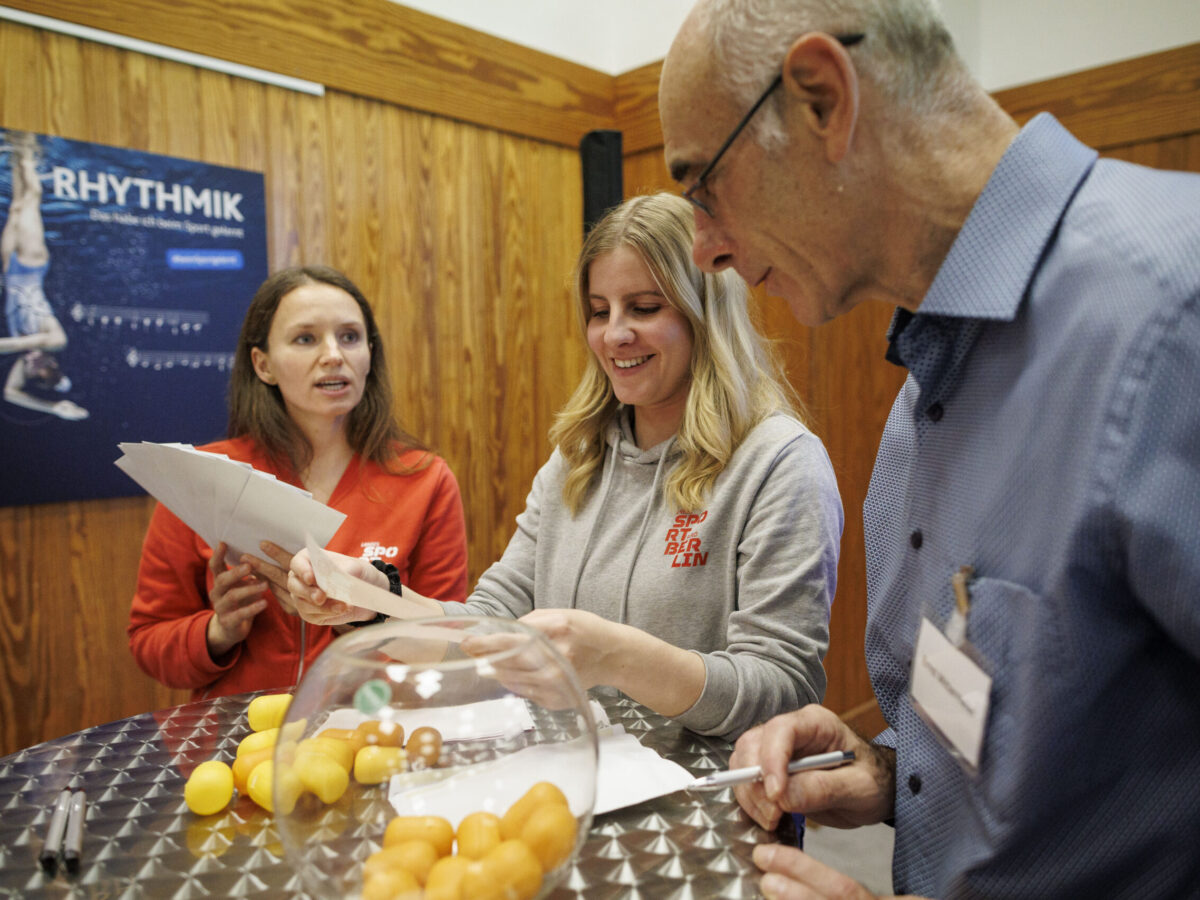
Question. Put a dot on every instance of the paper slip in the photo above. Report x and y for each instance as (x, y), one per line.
(500, 718)
(627, 773)
(225, 500)
(339, 585)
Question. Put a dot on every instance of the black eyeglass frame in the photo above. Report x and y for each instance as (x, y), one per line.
(846, 40)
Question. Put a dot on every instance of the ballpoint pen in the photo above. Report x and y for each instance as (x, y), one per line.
(73, 844)
(54, 834)
(732, 777)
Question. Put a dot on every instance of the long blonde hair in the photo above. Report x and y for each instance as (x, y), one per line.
(736, 378)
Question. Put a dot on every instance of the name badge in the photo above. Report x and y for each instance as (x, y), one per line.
(951, 692)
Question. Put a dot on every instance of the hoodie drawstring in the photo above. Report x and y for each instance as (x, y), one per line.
(605, 485)
(637, 547)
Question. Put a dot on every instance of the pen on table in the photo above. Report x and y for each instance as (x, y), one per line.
(73, 845)
(754, 773)
(54, 834)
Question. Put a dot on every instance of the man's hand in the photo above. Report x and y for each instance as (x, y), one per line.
(791, 874)
(860, 793)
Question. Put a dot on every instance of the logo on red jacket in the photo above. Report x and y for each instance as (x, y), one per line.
(684, 541)
(376, 550)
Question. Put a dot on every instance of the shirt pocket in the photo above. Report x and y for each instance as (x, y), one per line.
(1019, 637)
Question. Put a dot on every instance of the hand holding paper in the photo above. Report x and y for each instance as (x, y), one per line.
(341, 592)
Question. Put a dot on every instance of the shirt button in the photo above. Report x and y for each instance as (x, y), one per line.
(914, 784)
(916, 539)
(935, 412)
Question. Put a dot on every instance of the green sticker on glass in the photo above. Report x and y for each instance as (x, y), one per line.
(372, 696)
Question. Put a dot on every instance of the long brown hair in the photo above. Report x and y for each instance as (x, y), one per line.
(256, 409)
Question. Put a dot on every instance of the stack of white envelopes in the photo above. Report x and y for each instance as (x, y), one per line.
(222, 499)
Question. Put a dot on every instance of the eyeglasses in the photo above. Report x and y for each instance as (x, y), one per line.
(846, 40)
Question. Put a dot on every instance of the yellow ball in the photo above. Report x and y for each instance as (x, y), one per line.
(209, 788)
(267, 711)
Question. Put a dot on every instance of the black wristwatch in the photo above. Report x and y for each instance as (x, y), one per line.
(394, 585)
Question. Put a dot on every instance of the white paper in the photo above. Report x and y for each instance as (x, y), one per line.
(223, 499)
(503, 717)
(627, 773)
(630, 773)
(339, 585)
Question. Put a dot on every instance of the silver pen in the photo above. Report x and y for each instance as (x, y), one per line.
(754, 773)
(73, 843)
(54, 834)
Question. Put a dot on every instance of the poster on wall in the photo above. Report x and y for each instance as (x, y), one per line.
(125, 277)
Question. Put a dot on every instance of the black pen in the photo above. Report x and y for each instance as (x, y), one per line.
(54, 834)
(74, 842)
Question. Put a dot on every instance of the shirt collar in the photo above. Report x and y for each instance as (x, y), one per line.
(994, 257)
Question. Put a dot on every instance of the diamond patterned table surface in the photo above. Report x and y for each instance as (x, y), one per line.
(141, 841)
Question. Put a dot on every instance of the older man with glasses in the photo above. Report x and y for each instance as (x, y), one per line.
(1033, 521)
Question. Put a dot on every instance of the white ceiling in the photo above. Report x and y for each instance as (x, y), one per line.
(1004, 42)
(613, 36)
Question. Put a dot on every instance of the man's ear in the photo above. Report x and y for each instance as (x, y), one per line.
(262, 365)
(819, 73)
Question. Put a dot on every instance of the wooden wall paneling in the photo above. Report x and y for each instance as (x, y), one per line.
(645, 172)
(636, 105)
(558, 352)
(1126, 102)
(407, 296)
(283, 175)
(515, 393)
(23, 92)
(465, 435)
(372, 48)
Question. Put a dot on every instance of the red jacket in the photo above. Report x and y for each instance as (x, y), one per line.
(413, 521)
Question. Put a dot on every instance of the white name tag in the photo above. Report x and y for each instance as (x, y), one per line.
(951, 692)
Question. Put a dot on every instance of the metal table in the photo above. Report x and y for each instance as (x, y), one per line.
(141, 841)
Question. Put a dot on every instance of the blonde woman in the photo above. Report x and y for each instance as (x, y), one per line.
(681, 543)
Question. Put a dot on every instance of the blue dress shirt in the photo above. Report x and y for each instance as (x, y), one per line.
(1048, 434)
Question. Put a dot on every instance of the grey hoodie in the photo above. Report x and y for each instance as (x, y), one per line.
(746, 582)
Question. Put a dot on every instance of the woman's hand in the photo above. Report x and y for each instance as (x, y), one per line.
(274, 573)
(860, 793)
(312, 604)
(236, 598)
(659, 675)
(587, 641)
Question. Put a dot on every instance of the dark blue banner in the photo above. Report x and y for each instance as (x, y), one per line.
(125, 277)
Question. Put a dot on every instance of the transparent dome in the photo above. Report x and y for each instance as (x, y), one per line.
(468, 734)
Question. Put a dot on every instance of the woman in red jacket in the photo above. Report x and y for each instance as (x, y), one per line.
(310, 403)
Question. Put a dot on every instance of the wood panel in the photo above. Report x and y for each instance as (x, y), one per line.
(372, 48)
(1127, 102)
(463, 237)
(1145, 110)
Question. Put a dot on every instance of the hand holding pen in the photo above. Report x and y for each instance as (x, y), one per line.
(732, 777)
(857, 792)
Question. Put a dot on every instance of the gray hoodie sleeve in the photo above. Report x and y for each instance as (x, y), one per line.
(786, 575)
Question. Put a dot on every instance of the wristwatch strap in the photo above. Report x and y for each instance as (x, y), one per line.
(394, 585)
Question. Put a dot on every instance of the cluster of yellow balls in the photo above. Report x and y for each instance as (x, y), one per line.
(497, 857)
(321, 765)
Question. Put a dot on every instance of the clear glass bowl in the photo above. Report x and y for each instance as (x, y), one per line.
(509, 712)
